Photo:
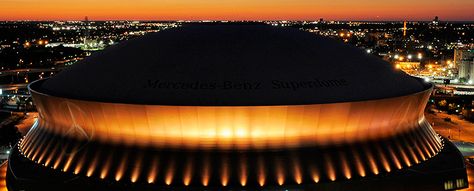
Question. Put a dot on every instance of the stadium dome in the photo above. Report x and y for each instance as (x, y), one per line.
(231, 65)
(233, 107)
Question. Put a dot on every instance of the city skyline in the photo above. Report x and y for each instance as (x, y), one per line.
(363, 10)
(236, 95)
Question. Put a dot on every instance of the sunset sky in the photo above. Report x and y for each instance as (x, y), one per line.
(236, 9)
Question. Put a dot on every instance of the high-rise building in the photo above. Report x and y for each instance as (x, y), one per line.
(464, 61)
(436, 20)
(404, 28)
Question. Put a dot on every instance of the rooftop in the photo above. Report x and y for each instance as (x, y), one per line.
(231, 64)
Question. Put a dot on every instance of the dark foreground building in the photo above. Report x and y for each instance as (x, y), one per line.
(233, 107)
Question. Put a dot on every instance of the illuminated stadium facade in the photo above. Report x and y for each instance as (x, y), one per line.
(233, 107)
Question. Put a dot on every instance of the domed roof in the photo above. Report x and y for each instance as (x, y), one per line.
(231, 64)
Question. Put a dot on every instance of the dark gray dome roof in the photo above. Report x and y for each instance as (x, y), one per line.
(231, 64)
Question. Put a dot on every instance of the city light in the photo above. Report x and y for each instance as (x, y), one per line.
(232, 142)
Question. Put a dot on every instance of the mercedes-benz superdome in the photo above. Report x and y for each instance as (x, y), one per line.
(233, 107)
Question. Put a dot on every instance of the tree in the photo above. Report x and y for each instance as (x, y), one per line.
(9, 135)
(442, 103)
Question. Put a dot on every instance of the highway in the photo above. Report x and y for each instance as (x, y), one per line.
(27, 70)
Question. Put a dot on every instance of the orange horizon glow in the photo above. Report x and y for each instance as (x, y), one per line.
(236, 10)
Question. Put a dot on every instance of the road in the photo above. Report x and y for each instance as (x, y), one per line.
(25, 124)
(457, 129)
(3, 174)
(27, 70)
(5, 87)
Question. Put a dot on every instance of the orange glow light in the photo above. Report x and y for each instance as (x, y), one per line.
(239, 128)
(188, 173)
(314, 173)
(394, 158)
(360, 167)
(153, 170)
(243, 171)
(169, 174)
(105, 169)
(68, 162)
(136, 169)
(121, 169)
(227, 127)
(3, 176)
(225, 173)
(384, 160)
(331, 173)
(44, 153)
(345, 167)
(261, 172)
(206, 171)
(280, 175)
(373, 165)
(297, 171)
